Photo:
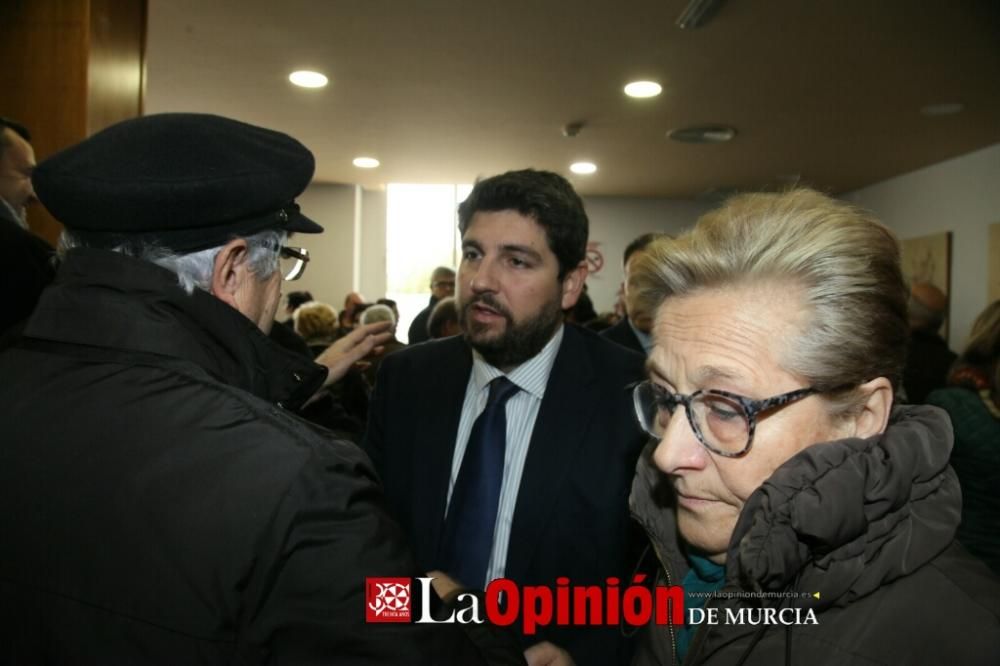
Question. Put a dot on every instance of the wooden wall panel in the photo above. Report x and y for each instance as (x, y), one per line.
(71, 67)
(44, 80)
(116, 77)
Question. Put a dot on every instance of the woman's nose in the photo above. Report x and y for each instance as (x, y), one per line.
(679, 447)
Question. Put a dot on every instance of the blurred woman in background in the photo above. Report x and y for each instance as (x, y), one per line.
(972, 400)
(317, 324)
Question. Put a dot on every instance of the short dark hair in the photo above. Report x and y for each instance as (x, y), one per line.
(15, 127)
(641, 243)
(583, 312)
(443, 312)
(297, 298)
(545, 197)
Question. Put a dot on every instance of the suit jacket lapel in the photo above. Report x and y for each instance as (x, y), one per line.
(435, 443)
(559, 432)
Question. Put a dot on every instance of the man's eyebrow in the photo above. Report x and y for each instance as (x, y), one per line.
(471, 243)
(522, 249)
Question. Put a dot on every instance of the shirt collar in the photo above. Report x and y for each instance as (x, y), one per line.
(532, 376)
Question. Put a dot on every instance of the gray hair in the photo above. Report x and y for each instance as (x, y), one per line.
(194, 269)
(378, 312)
(845, 262)
(441, 272)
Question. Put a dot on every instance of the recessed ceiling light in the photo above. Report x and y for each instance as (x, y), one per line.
(946, 109)
(306, 79)
(366, 162)
(583, 167)
(643, 89)
(703, 134)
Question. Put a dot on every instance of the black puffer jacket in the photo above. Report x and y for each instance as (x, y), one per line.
(869, 525)
(159, 507)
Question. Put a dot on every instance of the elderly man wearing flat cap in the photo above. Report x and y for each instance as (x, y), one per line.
(161, 503)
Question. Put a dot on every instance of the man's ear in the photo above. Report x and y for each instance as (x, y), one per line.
(873, 418)
(229, 271)
(572, 285)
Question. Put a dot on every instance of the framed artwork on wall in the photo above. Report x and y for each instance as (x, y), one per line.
(928, 259)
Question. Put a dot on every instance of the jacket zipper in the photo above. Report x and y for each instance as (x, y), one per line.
(700, 632)
(666, 573)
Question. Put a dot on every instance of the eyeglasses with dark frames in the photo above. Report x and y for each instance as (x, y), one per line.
(723, 422)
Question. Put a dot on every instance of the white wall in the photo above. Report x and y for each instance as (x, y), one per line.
(373, 225)
(961, 195)
(329, 275)
(334, 269)
(616, 221)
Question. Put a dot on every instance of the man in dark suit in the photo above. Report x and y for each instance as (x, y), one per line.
(564, 452)
(442, 286)
(633, 331)
(26, 259)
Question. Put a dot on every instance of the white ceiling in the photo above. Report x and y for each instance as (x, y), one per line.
(826, 91)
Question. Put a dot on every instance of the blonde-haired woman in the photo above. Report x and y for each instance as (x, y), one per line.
(317, 324)
(781, 475)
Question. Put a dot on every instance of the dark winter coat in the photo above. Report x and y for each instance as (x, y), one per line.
(26, 266)
(161, 506)
(976, 459)
(927, 363)
(868, 526)
(418, 328)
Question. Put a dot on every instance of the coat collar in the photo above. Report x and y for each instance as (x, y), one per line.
(840, 518)
(847, 517)
(446, 390)
(563, 419)
(105, 300)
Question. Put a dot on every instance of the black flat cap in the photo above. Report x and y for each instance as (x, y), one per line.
(187, 181)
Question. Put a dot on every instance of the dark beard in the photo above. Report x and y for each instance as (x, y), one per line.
(518, 342)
